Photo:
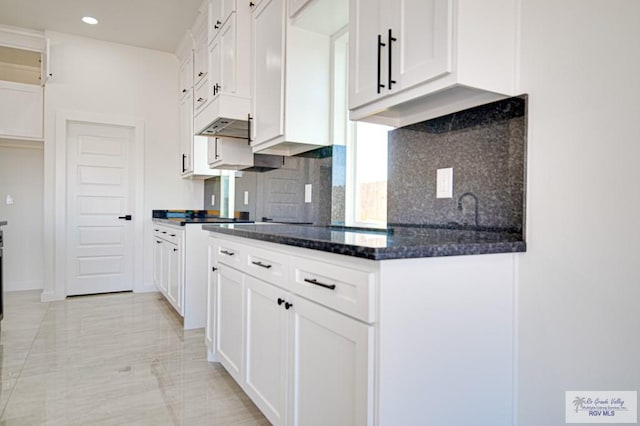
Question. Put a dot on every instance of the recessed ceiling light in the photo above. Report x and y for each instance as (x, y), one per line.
(89, 20)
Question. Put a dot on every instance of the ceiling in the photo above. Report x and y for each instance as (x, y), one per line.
(153, 24)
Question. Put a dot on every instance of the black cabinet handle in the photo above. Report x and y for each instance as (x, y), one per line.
(175, 249)
(164, 232)
(380, 46)
(173, 235)
(280, 301)
(213, 269)
(287, 305)
(262, 265)
(215, 151)
(156, 230)
(200, 74)
(184, 157)
(318, 283)
(199, 99)
(217, 25)
(127, 217)
(249, 120)
(216, 89)
(390, 41)
(251, 4)
(158, 242)
(228, 253)
(184, 90)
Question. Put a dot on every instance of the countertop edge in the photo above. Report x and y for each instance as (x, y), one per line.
(372, 253)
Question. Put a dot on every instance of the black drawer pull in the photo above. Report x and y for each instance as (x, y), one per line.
(280, 301)
(175, 249)
(164, 232)
(158, 242)
(288, 305)
(316, 282)
(228, 253)
(156, 230)
(262, 265)
(213, 269)
(173, 235)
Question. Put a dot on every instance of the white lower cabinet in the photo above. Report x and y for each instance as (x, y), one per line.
(179, 262)
(300, 362)
(317, 338)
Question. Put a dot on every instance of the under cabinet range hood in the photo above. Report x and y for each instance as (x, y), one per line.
(228, 128)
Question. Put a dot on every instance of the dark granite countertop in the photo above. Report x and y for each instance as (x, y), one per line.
(182, 221)
(395, 243)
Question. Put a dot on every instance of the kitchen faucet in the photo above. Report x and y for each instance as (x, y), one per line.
(472, 195)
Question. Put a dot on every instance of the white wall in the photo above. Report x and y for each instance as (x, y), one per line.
(113, 79)
(580, 277)
(21, 177)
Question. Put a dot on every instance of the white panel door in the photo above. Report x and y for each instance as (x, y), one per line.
(100, 189)
(266, 346)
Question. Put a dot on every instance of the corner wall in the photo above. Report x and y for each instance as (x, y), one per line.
(580, 277)
(21, 176)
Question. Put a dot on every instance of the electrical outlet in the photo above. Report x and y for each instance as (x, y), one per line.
(444, 183)
(246, 198)
(307, 193)
(213, 200)
(9, 200)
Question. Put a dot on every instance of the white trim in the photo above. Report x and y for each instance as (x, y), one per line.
(60, 196)
(9, 286)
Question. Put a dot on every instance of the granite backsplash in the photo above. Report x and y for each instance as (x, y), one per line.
(485, 146)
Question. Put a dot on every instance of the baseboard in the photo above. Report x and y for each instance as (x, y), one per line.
(23, 285)
(145, 288)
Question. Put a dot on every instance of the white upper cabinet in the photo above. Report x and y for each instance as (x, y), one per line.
(24, 69)
(291, 77)
(229, 154)
(411, 60)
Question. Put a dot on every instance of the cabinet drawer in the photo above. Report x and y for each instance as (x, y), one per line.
(168, 234)
(201, 94)
(338, 287)
(268, 265)
(229, 253)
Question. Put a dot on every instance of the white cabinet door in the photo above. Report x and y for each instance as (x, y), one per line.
(222, 54)
(200, 60)
(266, 344)
(268, 41)
(366, 55)
(186, 133)
(20, 110)
(421, 50)
(229, 314)
(174, 290)
(209, 326)
(331, 367)
(158, 266)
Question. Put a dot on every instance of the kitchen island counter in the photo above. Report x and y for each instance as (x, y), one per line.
(396, 243)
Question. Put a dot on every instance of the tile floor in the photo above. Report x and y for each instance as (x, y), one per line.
(120, 359)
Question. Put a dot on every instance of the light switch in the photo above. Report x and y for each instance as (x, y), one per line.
(9, 200)
(246, 198)
(444, 183)
(213, 200)
(307, 193)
